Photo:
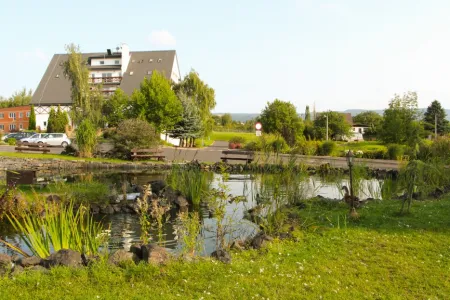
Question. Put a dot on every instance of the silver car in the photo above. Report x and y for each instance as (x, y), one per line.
(54, 139)
(33, 138)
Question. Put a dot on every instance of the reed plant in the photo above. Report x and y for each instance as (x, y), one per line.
(192, 183)
(187, 230)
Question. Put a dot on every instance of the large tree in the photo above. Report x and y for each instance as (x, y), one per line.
(157, 103)
(19, 98)
(202, 95)
(435, 114)
(281, 118)
(32, 119)
(190, 126)
(226, 120)
(401, 123)
(371, 119)
(116, 108)
(307, 114)
(337, 125)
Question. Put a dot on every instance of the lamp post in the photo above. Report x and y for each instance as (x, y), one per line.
(350, 157)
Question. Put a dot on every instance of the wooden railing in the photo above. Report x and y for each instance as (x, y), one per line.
(105, 80)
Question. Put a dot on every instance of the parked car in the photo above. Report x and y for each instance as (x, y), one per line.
(33, 138)
(17, 135)
(54, 139)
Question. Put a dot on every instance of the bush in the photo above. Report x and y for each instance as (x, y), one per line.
(133, 133)
(11, 141)
(237, 140)
(374, 154)
(253, 146)
(327, 148)
(395, 152)
(440, 149)
(425, 152)
(279, 146)
(307, 148)
(86, 136)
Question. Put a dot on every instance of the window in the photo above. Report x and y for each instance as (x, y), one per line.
(2, 116)
(106, 75)
(45, 123)
(12, 116)
(102, 62)
(93, 75)
(20, 126)
(21, 115)
(117, 62)
(28, 114)
(58, 135)
(12, 126)
(2, 127)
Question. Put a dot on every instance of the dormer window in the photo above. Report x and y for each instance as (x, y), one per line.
(117, 62)
(102, 62)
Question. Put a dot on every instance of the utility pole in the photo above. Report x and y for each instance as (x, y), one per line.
(435, 125)
(327, 127)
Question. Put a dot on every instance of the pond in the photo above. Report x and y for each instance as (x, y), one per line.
(125, 229)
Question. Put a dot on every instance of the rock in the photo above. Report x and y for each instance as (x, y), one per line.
(5, 264)
(154, 254)
(285, 235)
(158, 186)
(116, 208)
(53, 198)
(222, 255)
(181, 201)
(89, 259)
(259, 240)
(122, 256)
(29, 261)
(107, 210)
(293, 216)
(133, 207)
(95, 209)
(17, 270)
(37, 269)
(64, 257)
(136, 249)
(238, 245)
(127, 210)
(300, 205)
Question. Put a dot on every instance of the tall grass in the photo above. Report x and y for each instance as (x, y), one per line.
(59, 226)
(192, 183)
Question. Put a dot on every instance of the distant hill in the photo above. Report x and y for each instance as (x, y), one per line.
(240, 117)
(354, 112)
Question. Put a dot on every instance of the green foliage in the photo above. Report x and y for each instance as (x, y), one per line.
(202, 94)
(281, 118)
(307, 148)
(327, 148)
(63, 227)
(32, 119)
(187, 231)
(192, 183)
(337, 125)
(279, 145)
(395, 151)
(433, 111)
(190, 126)
(86, 138)
(226, 120)
(133, 133)
(237, 139)
(309, 131)
(440, 150)
(401, 121)
(57, 121)
(51, 120)
(371, 119)
(116, 108)
(307, 114)
(19, 98)
(11, 141)
(157, 103)
(86, 102)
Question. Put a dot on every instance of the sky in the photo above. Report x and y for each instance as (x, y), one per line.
(334, 54)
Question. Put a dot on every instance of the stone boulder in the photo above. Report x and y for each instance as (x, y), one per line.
(122, 256)
(136, 249)
(222, 256)
(53, 198)
(158, 186)
(259, 240)
(5, 264)
(107, 210)
(29, 261)
(154, 254)
(181, 202)
(64, 257)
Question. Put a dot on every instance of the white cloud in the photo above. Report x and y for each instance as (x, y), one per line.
(162, 38)
(34, 54)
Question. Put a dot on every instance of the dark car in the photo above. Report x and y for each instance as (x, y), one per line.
(18, 135)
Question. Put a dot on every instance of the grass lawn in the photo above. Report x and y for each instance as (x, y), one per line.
(380, 256)
(224, 136)
(363, 146)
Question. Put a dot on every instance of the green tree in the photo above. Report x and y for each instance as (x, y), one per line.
(189, 128)
(32, 119)
(401, 121)
(60, 120)
(371, 119)
(435, 114)
(19, 98)
(157, 103)
(337, 125)
(86, 138)
(116, 108)
(202, 94)
(51, 120)
(307, 114)
(86, 101)
(226, 120)
(281, 118)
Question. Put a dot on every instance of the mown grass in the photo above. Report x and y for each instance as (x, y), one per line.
(224, 136)
(363, 146)
(376, 257)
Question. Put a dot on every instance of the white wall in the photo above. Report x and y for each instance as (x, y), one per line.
(125, 57)
(98, 74)
(42, 117)
(175, 76)
(108, 61)
(175, 142)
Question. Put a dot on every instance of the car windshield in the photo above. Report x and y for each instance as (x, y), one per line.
(34, 136)
(45, 136)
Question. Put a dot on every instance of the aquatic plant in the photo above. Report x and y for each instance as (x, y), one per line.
(187, 230)
(192, 183)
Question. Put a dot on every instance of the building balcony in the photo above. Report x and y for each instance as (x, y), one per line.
(105, 80)
(108, 93)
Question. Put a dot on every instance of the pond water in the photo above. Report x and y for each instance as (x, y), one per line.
(125, 228)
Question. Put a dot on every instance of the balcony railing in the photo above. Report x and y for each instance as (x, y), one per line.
(112, 80)
(108, 93)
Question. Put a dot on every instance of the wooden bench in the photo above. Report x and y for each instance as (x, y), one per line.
(38, 147)
(147, 153)
(247, 156)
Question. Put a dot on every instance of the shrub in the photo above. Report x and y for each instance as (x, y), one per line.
(279, 145)
(86, 136)
(237, 140)
(440, 149)
(253, 146)
(425, 152)
(327, 148)
(395, 151)
(374, 154)
(307, 148)
(133, 133)
(11, 141)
